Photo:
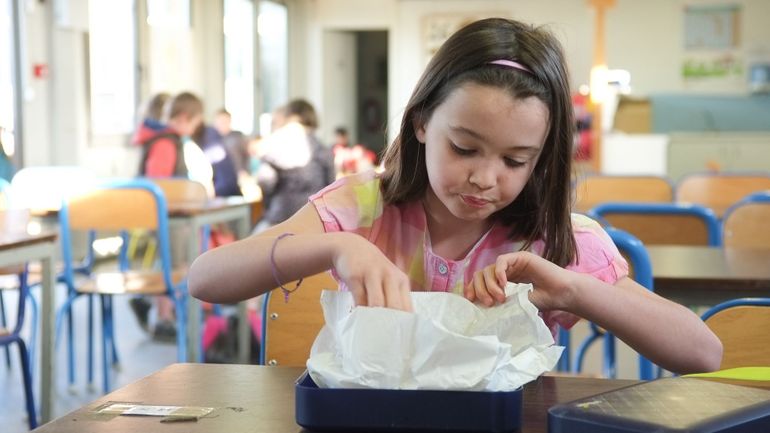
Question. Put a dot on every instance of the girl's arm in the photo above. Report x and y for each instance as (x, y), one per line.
(242, 270)
(667, 333)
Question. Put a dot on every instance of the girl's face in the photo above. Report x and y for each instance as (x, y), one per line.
(481, 146)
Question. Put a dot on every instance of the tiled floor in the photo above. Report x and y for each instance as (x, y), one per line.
(141, 356)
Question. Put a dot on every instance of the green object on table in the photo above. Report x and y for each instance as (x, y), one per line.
(740, 373)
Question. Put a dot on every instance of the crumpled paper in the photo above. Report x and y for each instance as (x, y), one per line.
(448, 343)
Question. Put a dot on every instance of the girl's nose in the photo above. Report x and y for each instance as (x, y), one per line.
(483, 176)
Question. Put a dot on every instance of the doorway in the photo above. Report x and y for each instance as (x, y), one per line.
(355, 86)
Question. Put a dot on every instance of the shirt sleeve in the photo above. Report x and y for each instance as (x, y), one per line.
(350, 204)
(162, 159)
(598, 256)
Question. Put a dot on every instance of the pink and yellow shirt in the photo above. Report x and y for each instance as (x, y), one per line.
(355, 204)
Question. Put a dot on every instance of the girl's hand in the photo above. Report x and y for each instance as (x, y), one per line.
(372, 278)
(553, 284)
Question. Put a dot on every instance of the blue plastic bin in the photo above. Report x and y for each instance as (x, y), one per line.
(377, 410)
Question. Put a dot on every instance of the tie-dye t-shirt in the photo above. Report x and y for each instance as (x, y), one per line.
(355, 204)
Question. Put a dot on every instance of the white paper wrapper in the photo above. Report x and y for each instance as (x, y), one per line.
(448, 343)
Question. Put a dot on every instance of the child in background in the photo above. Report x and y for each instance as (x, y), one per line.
(168, 152)
(350, 158)
(475, 193)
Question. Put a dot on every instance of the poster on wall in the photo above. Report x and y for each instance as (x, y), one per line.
(439, 27)
(712, 47)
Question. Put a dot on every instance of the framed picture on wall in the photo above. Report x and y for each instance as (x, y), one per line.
(439, 27)
(712, 27)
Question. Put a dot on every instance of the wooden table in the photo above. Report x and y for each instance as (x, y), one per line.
(694, 275)
(196, 216)
(252, 398)
(17, 246)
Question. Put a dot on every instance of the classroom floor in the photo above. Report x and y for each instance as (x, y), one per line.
(141, 356)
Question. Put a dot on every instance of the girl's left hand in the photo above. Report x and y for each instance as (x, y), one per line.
(553, 284)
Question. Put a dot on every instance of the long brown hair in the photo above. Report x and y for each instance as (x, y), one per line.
(541, 211)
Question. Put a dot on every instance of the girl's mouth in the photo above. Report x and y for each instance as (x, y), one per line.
(474, 201)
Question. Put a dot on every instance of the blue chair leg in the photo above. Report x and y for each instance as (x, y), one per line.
(28, 389)
(71, 348)
(581, 351)
(4, 324)
(106, 344)
(181, 326)
(29, 397)
(90, 340)
(66, 311)
(113, 345)
(564, 340)
(33, 327)
(609, 355)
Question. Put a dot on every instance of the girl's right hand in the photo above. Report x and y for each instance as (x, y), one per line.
(373, 279)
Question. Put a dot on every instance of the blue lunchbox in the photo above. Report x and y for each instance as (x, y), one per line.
(326, 409)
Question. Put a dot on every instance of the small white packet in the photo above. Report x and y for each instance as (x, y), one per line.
(447, 343)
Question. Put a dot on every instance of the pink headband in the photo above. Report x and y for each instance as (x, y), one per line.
(510, 64)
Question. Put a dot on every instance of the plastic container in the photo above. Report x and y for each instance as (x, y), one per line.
(377, 410)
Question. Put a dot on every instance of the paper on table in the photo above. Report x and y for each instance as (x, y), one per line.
(447, 343)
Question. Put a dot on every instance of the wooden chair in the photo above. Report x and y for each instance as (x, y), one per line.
(118, 207)
(289, 328)
(719, 191)
(641, 270)
(593, 190)
(741, 325)
(182, 190)
(177, 191)
(746, 224)
(662, 223)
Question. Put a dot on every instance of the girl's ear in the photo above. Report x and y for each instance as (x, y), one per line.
(419, 129)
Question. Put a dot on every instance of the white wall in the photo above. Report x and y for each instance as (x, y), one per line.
(340, 86)
(642, 37)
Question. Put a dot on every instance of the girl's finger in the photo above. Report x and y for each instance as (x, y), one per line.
(392, 294)
(501, 271)
(405, 289)
(494, 289)
(358, 291)
(374, 293)
(481, 290)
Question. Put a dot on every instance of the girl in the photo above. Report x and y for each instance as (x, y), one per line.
(475, 193)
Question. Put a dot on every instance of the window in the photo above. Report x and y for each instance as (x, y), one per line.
(112, 53)
(272, 26)
(239, 63)
(7, 90)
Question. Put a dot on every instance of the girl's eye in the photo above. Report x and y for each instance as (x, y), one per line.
(513, 163)
(459, 150)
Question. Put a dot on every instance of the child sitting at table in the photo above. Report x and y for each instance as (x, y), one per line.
(475, 193)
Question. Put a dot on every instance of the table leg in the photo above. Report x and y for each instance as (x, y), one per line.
(244, 328)
(48, 286)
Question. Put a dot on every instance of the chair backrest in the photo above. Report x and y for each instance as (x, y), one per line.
(741, 325)
(593, 190)
(182, 190)
(289, 328)
(117, 206)
(719, 191)
(641, 270)
(662, 223)
(746, 224)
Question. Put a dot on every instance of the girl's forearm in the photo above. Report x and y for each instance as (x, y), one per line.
(242, 270)
(667, 333)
